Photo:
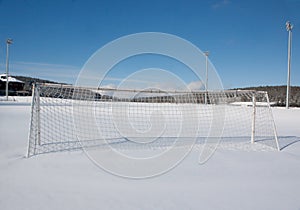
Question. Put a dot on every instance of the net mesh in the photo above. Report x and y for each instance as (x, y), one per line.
(67, 118)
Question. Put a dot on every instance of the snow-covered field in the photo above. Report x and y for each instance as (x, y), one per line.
(231, 179)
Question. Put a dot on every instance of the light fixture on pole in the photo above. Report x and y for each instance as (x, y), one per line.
(8, 42)
(206, 74)
(289, 28)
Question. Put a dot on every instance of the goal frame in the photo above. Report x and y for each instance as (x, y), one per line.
(36, 119)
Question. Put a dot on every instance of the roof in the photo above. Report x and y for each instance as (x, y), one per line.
(10, 79)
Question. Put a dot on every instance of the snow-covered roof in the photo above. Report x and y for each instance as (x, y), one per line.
(10, 79)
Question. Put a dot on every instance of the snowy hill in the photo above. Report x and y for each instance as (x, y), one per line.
(277, 94)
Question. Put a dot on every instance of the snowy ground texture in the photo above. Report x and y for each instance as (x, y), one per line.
(231, 179)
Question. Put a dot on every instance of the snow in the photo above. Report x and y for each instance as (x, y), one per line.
(231, 179)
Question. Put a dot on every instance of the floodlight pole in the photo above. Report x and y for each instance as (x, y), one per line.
(8, 42)
(206, 75)
(289, 28)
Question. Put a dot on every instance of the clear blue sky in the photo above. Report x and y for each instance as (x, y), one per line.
(247, 39)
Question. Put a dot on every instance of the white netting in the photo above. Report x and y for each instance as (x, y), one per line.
(67, 118)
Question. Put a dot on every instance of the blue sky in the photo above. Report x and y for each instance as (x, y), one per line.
(247, 40)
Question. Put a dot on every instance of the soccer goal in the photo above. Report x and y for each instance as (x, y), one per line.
(65, 117)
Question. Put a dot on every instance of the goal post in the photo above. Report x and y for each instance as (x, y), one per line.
(273, 122)
(65, 117)
(253, 118)
(35, 123)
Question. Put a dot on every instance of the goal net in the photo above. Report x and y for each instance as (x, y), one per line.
(65, 117)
